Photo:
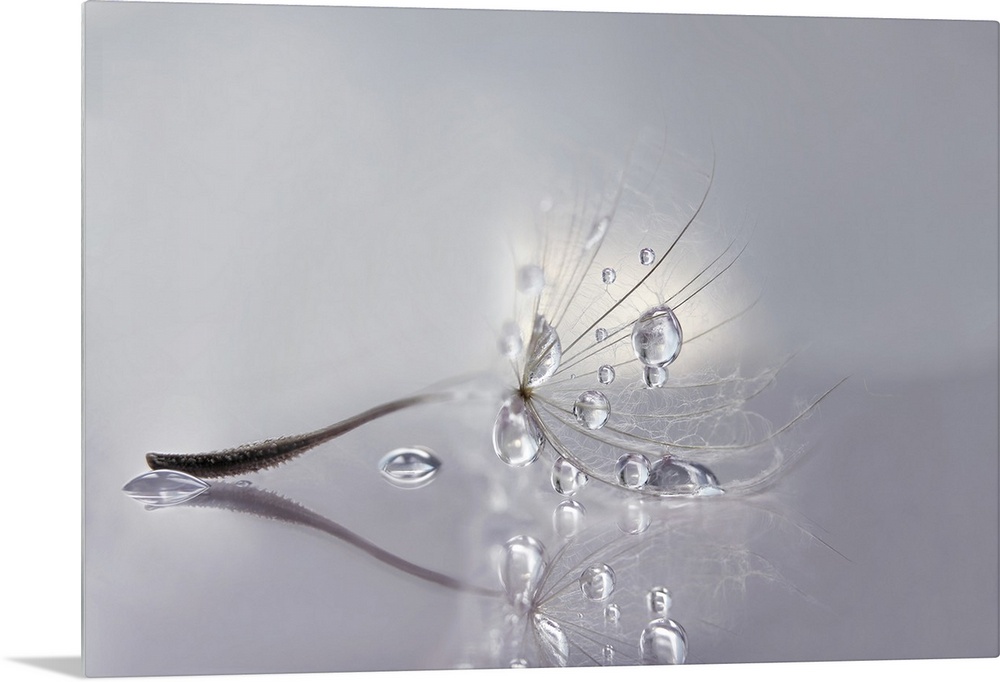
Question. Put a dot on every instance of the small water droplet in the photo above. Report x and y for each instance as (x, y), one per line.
(552, 640)
(592, 410)
(608, 652)
(658, 601)
(243, 484)
(634, 519)
(657, 336)
(605, 374)
(654, 376)
(597, 233)
(164, 487)
(608, 275)
(677, 477)
(597, 582)
(600, 334)
(412, 467)
(510, 342)
(632, 470)
(663, 641)
(647, 256)
(612, 612)
(518, 663)
(566, 478)
(530, 280)
(568, 517)
(544, 353)
(522, 564)
(517, 437)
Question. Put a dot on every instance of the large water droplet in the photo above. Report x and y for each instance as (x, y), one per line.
(612, 612)
(608, 275)
(566, 478)
(657, 336)
(510, 342)
(164, 487)
(522, 564)
(663, 641)
(677, 477)
(597, 582)
(530, 279)
(592, 409)
(552, 640)
(647, 256)
(605, 374)
(517, 437)
(544, 353)
(600, 334)
(567, 518)
(597, 233)
(654, 376)
(412, 467)
(632, 470)
(658, 601)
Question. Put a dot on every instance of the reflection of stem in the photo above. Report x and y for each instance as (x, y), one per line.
(272, 452)
(267, 504)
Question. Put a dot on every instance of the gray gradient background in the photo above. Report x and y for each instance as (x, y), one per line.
(295, 213)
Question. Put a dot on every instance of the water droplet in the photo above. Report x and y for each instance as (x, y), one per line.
(608, 275)
(634, 519)
(566, 478)
(612, 612)
(510, 343)
(657, 336)
(552, 640)
(517, 438)
(597, 233)
(522, 563)
(567, 518)
(677, 477)
(647, 256)
(544, 353)
(632, 470)
(164, 487)
(658, 601)
(243, 484)
(600, 334)
(592, 409)
(530, 280)
(412, 467)
(605, 374)
(518, 663)
(597, 582)
(663, 641)
(609, 654)
(654, 376)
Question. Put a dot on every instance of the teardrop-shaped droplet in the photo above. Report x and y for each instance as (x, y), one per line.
(612, 612)
(600, 334)
(608, 653)
(605, 374)
(592, 410)
(566, 478)
(634, 519)
(673, 476)
(517, 437)
(522, 565)
(544, 353)
(552, 641)
(654, 376)
(658, 601)
(657, 336)
(632, 470)
(510, 342)
(608, 275)
(530, 280)
(568, 517)
(647, 256)
(663, 641)
(412, 467)
(164, 487)
(597, 232)
(597, 582)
